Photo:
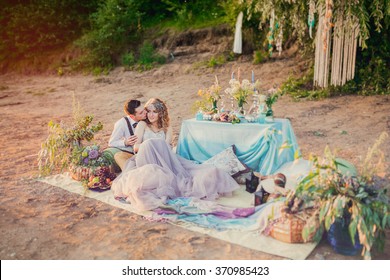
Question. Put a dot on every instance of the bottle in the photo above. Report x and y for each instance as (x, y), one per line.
(199, 115)
(261, 112)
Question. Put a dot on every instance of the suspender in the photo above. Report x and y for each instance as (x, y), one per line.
(131, 133)
(129, 126)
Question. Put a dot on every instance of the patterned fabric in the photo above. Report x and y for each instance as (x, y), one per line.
(228, 161)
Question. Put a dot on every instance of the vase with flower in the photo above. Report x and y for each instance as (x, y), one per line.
(240, 92)
(210, 97)
(270, 101)
(240, 104)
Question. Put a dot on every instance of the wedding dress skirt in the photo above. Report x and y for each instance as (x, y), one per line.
(156, 173)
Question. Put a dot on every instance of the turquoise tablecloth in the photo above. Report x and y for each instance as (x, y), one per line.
(263, 147)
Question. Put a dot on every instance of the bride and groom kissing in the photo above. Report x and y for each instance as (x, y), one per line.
(151, 171)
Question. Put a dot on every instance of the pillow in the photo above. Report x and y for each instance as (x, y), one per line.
(228, 161)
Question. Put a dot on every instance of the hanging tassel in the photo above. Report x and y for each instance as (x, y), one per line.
(337, 58)
(311, 20)
(279, 40)
(321, 63)
(345, 40)
(271, 33)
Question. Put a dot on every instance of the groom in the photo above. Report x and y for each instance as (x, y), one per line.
(122, 137)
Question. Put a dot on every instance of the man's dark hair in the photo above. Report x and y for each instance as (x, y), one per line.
(131, 105)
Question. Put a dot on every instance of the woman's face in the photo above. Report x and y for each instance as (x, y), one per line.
(152, 113)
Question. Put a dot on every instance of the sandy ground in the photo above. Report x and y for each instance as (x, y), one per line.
(38, 221)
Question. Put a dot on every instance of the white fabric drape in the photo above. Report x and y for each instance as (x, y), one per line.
(237, 46)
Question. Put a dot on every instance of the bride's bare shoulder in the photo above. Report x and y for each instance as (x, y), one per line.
(142, 124)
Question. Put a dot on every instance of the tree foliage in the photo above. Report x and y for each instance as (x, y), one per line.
(373, 55)
(35, 26)
(108, 30)
(114, 25)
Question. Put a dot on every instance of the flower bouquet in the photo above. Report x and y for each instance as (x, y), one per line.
(270, 101)
(240, 91)
(210, 97)
(228, 117)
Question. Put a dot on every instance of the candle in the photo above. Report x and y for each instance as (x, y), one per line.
(238, 74)
(216, 80)
(233, 75)
(253, 77)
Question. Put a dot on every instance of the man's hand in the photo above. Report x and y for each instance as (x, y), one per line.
(131, 140)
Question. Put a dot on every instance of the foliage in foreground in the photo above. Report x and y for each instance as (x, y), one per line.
(362, 199)
(63, 144)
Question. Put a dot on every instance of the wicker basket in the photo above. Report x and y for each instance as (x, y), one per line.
(289, 228)
(80, 173)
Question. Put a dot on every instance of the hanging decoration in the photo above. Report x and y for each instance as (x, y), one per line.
(334, 64)
(274, 28)
(345, 32)
(311, 19)
(327, 23)
(271, 33)
(345, 35)
(279, 40)
(322, 41)
(237, 44)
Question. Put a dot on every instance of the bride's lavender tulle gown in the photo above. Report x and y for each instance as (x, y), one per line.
(156, 173)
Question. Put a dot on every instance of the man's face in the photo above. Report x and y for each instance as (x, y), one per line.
(140, 113)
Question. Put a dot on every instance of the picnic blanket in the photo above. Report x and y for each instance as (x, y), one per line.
(226, 219)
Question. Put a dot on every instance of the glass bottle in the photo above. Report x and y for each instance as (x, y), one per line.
(262, 109)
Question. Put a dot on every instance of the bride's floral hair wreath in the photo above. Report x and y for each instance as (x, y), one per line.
(162, 110)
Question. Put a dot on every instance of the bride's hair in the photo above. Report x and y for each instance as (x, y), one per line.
(162, 110)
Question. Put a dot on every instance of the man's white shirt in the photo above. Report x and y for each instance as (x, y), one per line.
(120, 133)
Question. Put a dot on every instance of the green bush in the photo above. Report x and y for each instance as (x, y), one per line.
(195, 14)
(259, 56)
(216, 61)
(32, 27)
(148, 57)
(374, 78)
(114, 26)
(128, 59)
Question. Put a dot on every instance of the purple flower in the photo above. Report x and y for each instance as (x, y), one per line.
(93, 154)
(86, 160)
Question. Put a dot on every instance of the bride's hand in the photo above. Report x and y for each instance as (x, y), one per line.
(131, 140)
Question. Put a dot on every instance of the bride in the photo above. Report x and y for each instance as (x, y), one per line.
(156, 173)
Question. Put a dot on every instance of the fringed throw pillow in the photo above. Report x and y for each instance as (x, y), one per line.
(228, 161)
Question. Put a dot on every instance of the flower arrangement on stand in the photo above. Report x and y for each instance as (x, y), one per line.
(240, 91)
(210, 97)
